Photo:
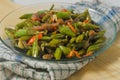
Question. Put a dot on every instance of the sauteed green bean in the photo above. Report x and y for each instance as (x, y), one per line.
(57, 34)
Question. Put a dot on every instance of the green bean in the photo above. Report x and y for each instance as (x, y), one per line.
(26, 23)
(10, 33)
(51, 8)
(21, 32)
(64, 49)
(63, 41)
(89, 26)
(74, 16)
(100, 40)
(26, 16)
(63, 15)
(87, 44)
(76, 25)
(86, 25)
(67, 31)
(93, 47)
(45, 17)
(35, 48)
(72, 39)
(20, 44)
(85, 15)
(42, 46)
(58, 54)
(29, 52)
(80, 45)
(24, 32)
(36, 23)
(71, 45)
(20, 25)
(81, 52)
(86, 34)
(54, 42)
(29, 23)
(46, 38)
(24, 38)
(99, 34)
(57, 36)
(80, 38)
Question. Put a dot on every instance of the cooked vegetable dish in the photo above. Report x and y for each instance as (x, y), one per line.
(57, 34)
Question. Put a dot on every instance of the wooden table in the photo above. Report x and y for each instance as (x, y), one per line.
(104, 67)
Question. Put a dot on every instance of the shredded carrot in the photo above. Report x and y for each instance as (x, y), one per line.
(64, 10)
(86, 21)
(77, 54)
(71, 27)
(33, 39)
(71, 54)
(92, 33)
(35, 17)
(88, 53)
(38, 28)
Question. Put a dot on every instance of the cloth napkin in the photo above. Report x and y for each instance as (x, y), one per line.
(15, 67)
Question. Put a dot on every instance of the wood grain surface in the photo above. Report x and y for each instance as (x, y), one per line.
(105, 67)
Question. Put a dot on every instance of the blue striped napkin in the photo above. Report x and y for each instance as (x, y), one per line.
(14, 67)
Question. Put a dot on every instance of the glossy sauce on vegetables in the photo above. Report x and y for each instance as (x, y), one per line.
(57, 34)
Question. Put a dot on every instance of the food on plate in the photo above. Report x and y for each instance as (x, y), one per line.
(57, 34)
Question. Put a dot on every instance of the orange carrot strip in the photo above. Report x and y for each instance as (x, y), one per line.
(92, 33)
(71, 27)
(35, 17)
(33, 39)
(88, 54)
(64, 10)
(71, 54)
(86, 21)
(77, 54)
